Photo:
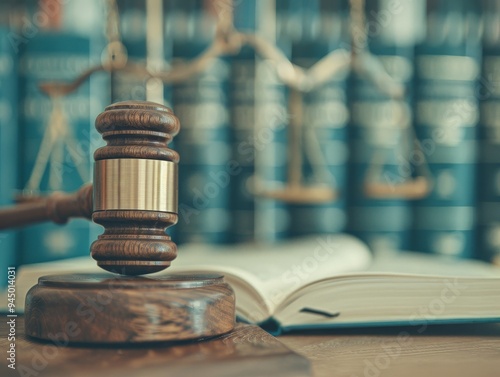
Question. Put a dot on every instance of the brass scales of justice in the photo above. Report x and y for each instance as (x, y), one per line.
(134, 242)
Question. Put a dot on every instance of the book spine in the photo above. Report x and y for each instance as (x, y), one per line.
(270, 144)
(245, 14)
(126, 86)
(8, 147)
(379, 146)
(381, 140)
(133, 27)
(446, 116)
(242, 114)
(325, 118)
(62, 154)
(204, 146)
(242, 119)
(488, 216)
(289, 20)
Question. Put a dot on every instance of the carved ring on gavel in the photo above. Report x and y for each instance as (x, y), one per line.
(134, 196)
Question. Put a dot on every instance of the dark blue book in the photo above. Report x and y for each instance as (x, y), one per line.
(447, 67)
(133, 25)
(201, 105)
(63, 156)
(380, 143)
(270, 149)
(9, 166)
(289, 19)
(133, 30)
(334, 21)
(488, 206)
(325, 118)
(244, 14)
(242, 116)
(381, 138)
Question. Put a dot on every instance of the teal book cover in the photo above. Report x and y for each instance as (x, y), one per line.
(126, 86)
(381, 136)
(201, 104)
(269, 142)
(8, 147)
(242, 121)
(447, 117)
(488, 183)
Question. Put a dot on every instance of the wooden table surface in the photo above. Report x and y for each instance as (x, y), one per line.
(451, 351)
(247, 351)
(454, 351)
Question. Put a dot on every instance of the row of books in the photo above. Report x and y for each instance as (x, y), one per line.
(235, 115)
(44, 150)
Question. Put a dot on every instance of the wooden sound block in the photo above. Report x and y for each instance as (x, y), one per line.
(107, 308)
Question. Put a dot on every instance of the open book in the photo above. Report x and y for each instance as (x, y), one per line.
(329, 281)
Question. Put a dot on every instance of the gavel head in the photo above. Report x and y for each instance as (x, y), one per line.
(135, 188)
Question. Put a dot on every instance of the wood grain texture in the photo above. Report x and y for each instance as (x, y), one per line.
(417, 351)
(134, 241)
(58, 208)
(105, 308)
(247, 351)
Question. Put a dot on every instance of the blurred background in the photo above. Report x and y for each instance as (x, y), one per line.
(393, 137)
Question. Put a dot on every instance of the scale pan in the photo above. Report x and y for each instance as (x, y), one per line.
(299, 194)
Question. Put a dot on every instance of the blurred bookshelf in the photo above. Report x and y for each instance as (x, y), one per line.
(265, 156)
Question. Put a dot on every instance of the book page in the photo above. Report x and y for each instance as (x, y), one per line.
(277, 270)
(430, 265)
(396, 282)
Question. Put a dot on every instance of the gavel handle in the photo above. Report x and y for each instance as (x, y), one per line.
(58, 208)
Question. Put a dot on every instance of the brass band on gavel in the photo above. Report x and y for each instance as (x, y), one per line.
(135, 184)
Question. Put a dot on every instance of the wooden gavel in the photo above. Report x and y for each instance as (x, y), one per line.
(134, 194)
